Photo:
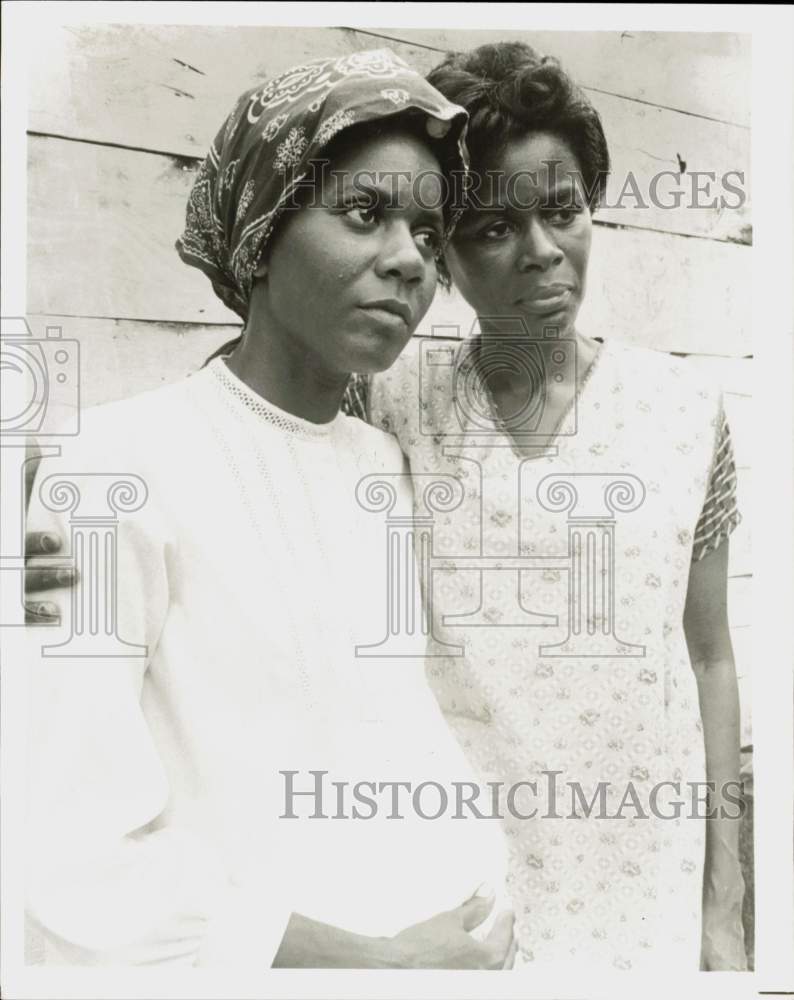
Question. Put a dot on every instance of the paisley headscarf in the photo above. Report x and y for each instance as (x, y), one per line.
(273, 139)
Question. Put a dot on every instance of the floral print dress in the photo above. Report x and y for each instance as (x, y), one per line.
(556, 590)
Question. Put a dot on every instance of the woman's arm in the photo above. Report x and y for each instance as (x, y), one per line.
(110, 879)
(711, 655)
(443, 942)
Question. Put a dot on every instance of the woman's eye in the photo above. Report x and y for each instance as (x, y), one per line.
(430, 240)
(563, 216)
(496, 231)
(364, 215)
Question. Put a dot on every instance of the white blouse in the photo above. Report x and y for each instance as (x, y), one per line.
(247, 576)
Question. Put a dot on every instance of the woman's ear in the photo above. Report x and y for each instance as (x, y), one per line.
(260, 270)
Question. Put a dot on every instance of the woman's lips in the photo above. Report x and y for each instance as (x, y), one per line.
(545, 301)
(395, 307)
(386, 318)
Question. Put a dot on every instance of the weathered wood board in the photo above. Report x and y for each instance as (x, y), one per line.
(704, 73)
(135, 66)
(169, 90)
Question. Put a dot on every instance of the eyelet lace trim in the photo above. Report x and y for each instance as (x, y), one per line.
(266, 410)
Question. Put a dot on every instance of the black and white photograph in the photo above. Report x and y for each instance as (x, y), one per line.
(397, 537)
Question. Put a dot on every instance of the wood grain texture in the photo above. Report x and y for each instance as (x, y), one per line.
(704, 74)
(164, 88)
(135, 66)
(101, 232)
(119, 358)
(103, 221)
(674, 173)
(669, 293)
(168, 89)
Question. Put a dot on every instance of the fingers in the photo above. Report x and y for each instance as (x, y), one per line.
(41, 543)
(512, 951)
(475, 910)
(41, 613)
(39, 577)
(501, 941)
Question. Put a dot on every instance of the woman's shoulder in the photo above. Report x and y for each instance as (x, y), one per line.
(377, 450)
(646, 366)
(134, 424)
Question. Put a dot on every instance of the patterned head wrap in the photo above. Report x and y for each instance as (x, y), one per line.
(269, 142)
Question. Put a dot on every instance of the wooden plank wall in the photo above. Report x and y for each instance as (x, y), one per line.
(120, 117)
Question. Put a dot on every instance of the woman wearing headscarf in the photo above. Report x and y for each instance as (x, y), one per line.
(172, 780)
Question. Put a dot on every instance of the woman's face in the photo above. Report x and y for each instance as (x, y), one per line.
(347, 279)
(523, 251)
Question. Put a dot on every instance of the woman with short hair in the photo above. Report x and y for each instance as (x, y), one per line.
(608, 469)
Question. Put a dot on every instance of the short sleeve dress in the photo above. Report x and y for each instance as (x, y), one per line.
(559, 580)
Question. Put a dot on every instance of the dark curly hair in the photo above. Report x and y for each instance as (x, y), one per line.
(509, 91)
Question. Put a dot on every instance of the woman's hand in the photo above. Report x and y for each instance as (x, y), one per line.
(41, 575)
(444, 941)
(722, 948)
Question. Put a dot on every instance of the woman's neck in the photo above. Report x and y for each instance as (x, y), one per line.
(287, 378)
(579, 353)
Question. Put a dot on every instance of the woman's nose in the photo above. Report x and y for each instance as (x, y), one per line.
(538, 248)
(400, 256)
